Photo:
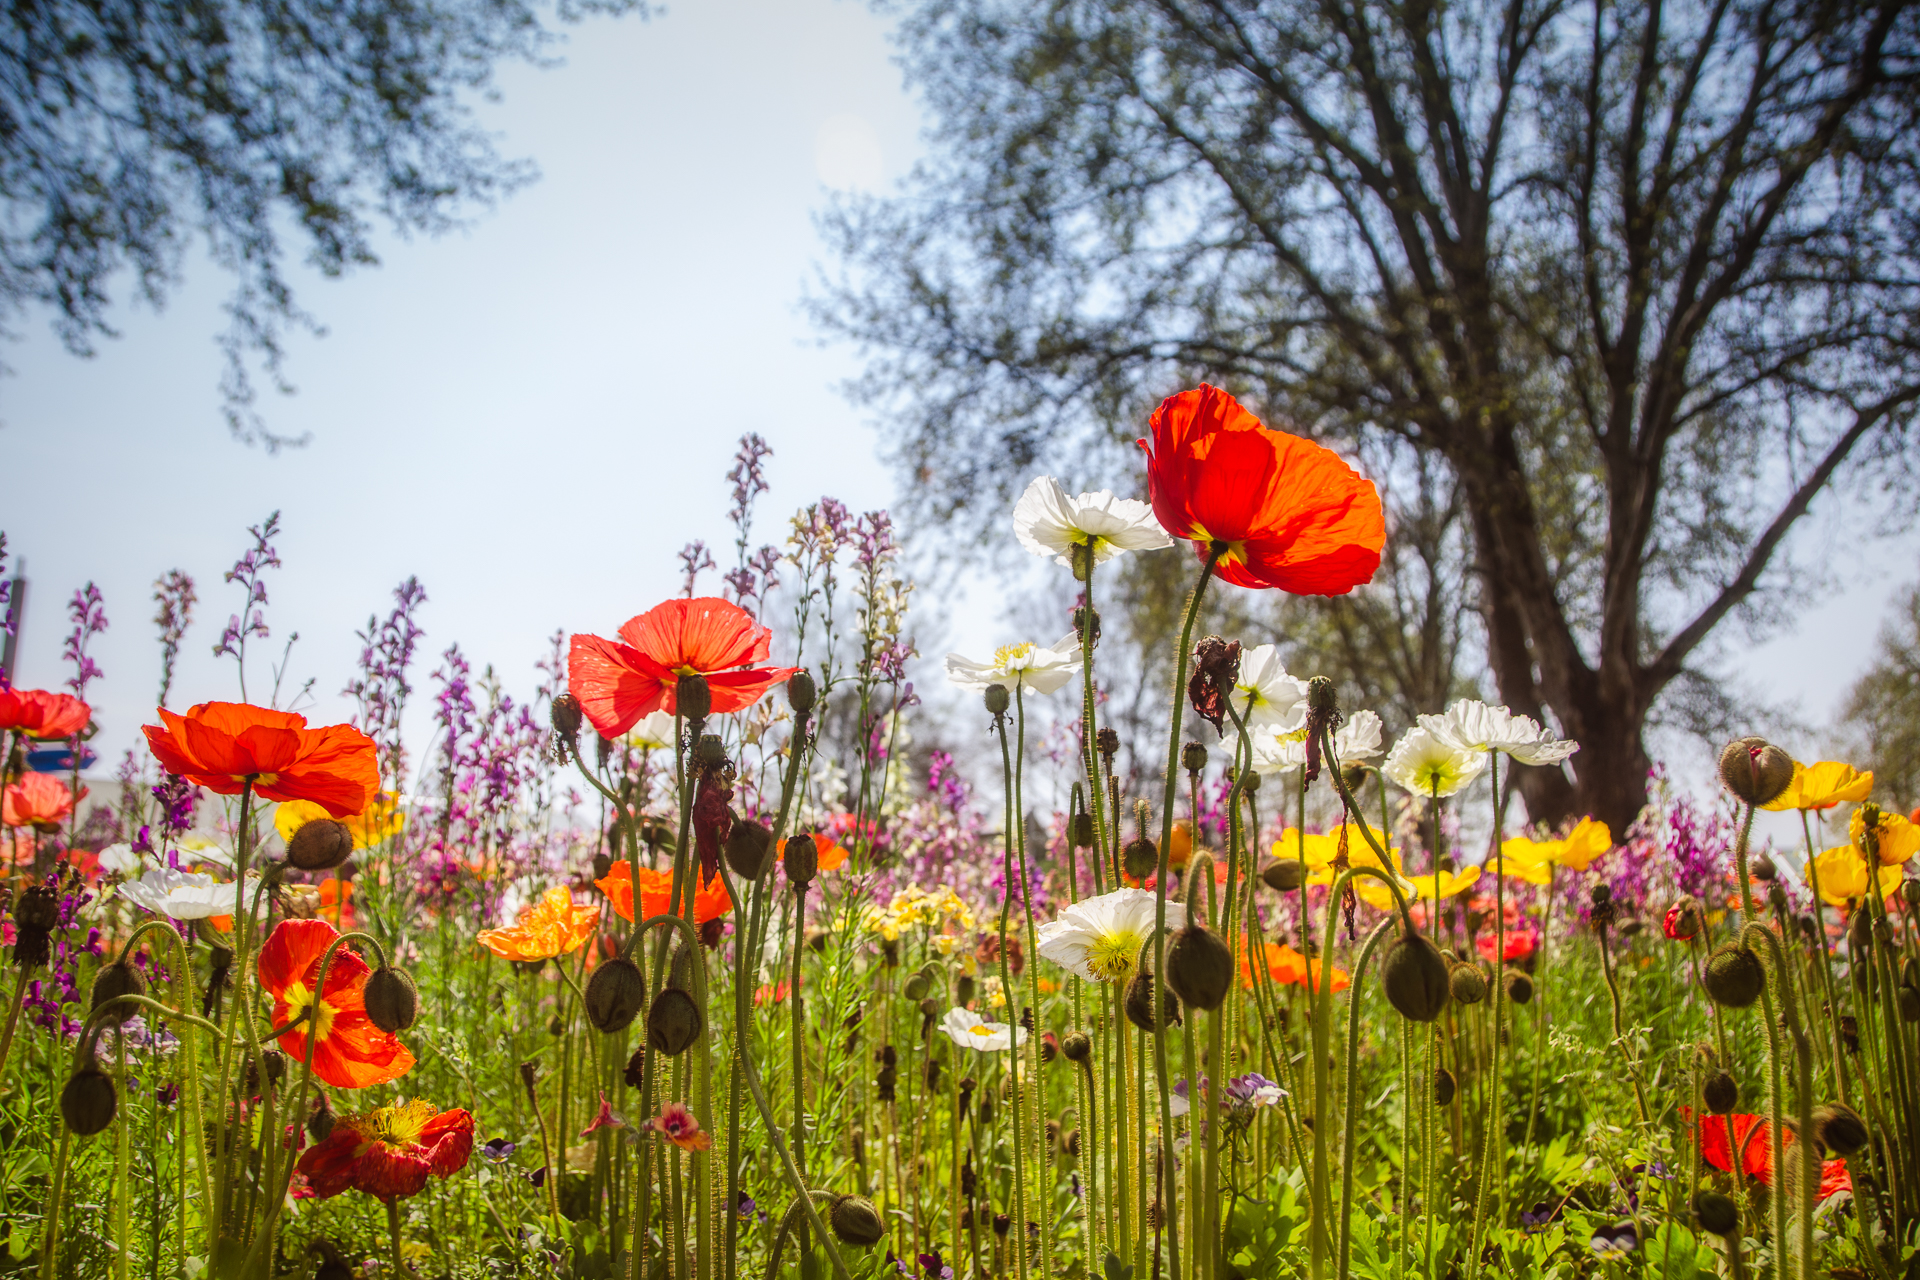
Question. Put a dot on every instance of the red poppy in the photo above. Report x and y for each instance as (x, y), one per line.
(1293, 515)
(38, 800)
(1756, 1152)
(350, 1053)
(1521, 943)
(39, 713)
(222, 744)
(389, 1151)
(710, 901)
(618, 682)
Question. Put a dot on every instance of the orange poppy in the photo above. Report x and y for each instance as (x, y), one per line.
(40, 713)
(831, 856)
(618, 682)
(551, 927)
(1289, 968)
(1293, 515)
(219, 745)
(710, 901)
(336, 901)
(389, 1152)
(349, 1051)
(38, 800)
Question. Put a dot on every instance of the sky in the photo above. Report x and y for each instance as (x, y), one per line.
(534, 414)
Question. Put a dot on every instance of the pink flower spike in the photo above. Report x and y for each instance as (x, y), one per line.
(605, 1120)
(677, 1125)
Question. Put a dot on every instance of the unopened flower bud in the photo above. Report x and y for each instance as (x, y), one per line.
(1518, 986)
(36, 914)
(802, 693)
(1467, 984)
(320, 845)
(963, 988)
(856, 1221)
(692, 698)
(1140, 1004)
(1199, 967)
(566, 719)
(615, 994)
(709, 752)
(115, 980)
(1076, 1046)
(1755, 770)
(1414, 976)
(392, 1000)
(1193, 757)
(749, 848)
(1721, 1093)
(88, 1101)
(1601, 894)
(1444, 1087)
(802, 858)
(1761, 868)
(998, 699)
(1108, 743)
(1734, 977)
(320, 1123)
(602, 866)
(1910, 892)
(1284, 875)
(1840, 1129)
(1140, 859)
(674, 1022)
(1776, 898)
(916, 987)
(1080, 831)
(1717, 1214)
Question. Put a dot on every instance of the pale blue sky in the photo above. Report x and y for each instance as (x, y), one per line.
(535, 414)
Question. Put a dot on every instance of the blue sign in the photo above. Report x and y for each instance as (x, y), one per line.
(57, 757)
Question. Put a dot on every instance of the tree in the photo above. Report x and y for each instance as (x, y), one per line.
(128, 127)
(1883, 708)
(1641, 276)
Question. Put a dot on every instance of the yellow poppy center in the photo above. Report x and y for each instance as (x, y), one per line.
(399, 1126)
(1111, 956)
(981, 1030)
(299, 998)
(1007, 654)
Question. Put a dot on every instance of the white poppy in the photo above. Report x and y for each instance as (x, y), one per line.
(1430, 766)
(1357, 739)
(654, 732)
(1099, 939)
(120, 859)
(967, 1028)
(185, 895)
(198, 848)
(1029, 665)
(1474, 726)
(1266, 695)
(1049, 523)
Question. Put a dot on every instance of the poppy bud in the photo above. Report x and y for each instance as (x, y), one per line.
(932, 1073)
(1683, 919)
(1518, 985)
(692, 698)
(1908, 1001)
(117, 979)
(1910, 891)
(1755, 770)
(998, 699)
(802, 858)
(1721, 1093)
(916, 987)
(1717, 1214)
(1070, 1143)
(1199, 967)
(88, 1102)
(566, 719)
(393, 1002)
(320, 1123)
(1467, 984)
(884, 1083)
(1601, 894)
(1776, 898)
(1108, 742)
(984, 1116)
(1734, 977)
(749, 848)
(801, 693)
(615, 994)
(35, 916)
(556, 1026)
(1850, 1034)
(320, 845)
(1081, 831)
(856, 1221)
(1141, 858)
(963, 988)
(1354, 775)
(1443, 1087)
(709, 752)
(1076, 1046)
(602, 866)
(1193, 757)
(1415, 978)
(674, 1022)
(1001, 1225)
(1761, 868)
(1840, 1129)
(1140, 1002)
(1284, 875)
(929, 1009)
(1860, 936)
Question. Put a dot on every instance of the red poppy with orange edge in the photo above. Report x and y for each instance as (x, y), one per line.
(349, 1051)
(677, 1125)
(38, 800)
(389, 1152)
(40, 713)
(220, 745)
(1294, 516)
(710, 900)
(620, 681)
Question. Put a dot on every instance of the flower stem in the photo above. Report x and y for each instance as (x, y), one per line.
(1017, 1239)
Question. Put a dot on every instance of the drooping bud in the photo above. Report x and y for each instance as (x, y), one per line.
(1199, 967)
(1840, 1129)
(1284, 875)
(320, 1123)
(320, 845)
(1467, 984)
(566, 720)
(88, 1101)
(802, 693)
(749, 848)
(602, 866)
(1140, 1004)
(1760, 867)
(1755, 770)
(916, 987)
(1716, 1214)
(1140, 859)
(117, 979)
(856, 1222)
(802, 859)
(1721, 1093)
(1080, 831)
(674, 1022)
(1734, 977)
(1414, 976)
(1444, 1087)
(998, 699)
(393, 1002)
(615, 994)
(1518, 986)
(693, 698)
(1076, 1046)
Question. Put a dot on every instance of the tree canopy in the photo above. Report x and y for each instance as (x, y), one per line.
(1641, 277)
(130, 127)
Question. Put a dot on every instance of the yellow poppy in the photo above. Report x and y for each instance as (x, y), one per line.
(1534, 860)
(1822, 786)
(1524, 859)
(1321, 848)
(380, 820)
(1843, 876)
(1895, 838)
(550, 927)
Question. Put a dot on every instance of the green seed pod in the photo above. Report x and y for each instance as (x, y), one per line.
(1734, 977)
(118, 979)
(88, 1102)
(963, 990)
(393, 1002)
(1722, 1094)
(1717, 1214)
(998, 699)
(856, 1221)
(692, 698)
(1467, 984)
(1193, 757)
(1140, 1002)
(1077, 1047)
(1141, 858)
(1755, 770)
(749, 849)
(802, 693)
(710, 752)
(1840, 1129)
(1519, 986)
(674, 1022)
(1444, 1087)
(802, 858)
(1415, 978)
(320, 845)
(615, 994)
(1284, 875)
(1199, 967)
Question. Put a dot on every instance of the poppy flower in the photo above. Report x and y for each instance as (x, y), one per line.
(1099, 939)
(1472, 725)
(38, 800)
(39, 713)
(1844, 876)
(1031, 666)
(677, 1125)
(1289, 968)
(1895, 839)
(1293, 515)
(1431, 766)
(220, 745)
(349, 1051)
(1822, 786)
(604, 1118)
(1756, 1152)
(1521, 943)
(1049, 523)
(389, 1152)
(336, 901)
(620, 681)
(971, 1031)
(551, 927)
(710, 900)
(831, 856)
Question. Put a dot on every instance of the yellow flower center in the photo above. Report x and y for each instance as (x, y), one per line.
(399, 1125)
(1290, 739)
(1007, 654)
(319, 1024)
(1111, 956)
(981, 1030)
